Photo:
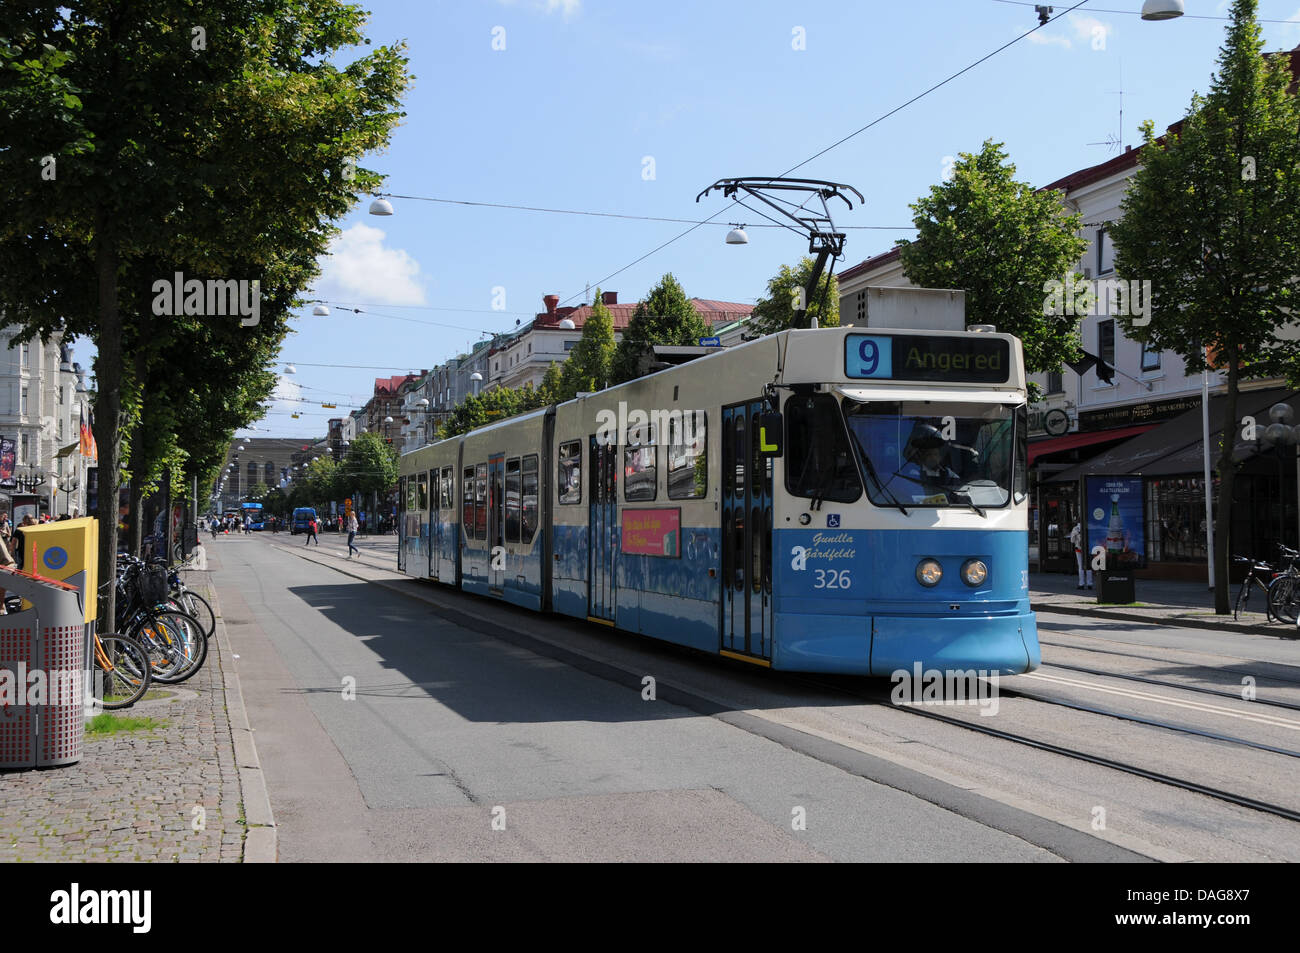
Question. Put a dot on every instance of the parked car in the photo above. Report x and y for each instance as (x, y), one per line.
(301, 517)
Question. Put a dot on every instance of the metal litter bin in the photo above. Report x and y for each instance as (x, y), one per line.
(44, 663)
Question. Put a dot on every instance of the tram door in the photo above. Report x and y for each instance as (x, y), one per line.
(746, 535)
(401, 523)
(440, 501)
(601, 531)
(496, 523)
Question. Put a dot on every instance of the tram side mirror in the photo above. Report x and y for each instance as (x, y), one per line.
(771, 435)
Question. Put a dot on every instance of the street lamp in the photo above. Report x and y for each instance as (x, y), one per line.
(737, 235)
(1280, 436)
(1162, 9)
(381, 206)
(477, 379)
(320, 311)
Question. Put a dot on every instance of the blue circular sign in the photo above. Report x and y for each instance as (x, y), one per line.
(56, 557)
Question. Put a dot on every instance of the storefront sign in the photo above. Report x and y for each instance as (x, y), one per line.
(652, 532)
(1136, 414)
(1116, 520)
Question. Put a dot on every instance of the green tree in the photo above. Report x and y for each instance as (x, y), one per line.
(553, 390)
(665, 316)
(257, 493)
(590, 362)
(205, 139)
(785, 289)
(1001, 241)
(323, 482)
(370, 467)
(478, 410)
(1212, 220)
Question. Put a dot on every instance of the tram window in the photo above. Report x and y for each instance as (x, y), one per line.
(410, 493)
(819, 461)
(480, 502)
(640, 470)
(1020, 484)
(528, 509)
(569, 474)
(447, 489)
(688, 463)
(512, 500)
(738, 426)
(467, 503)
(422, 493)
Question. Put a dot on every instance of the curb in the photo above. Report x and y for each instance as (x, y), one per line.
(1225, 626)
(261, 841)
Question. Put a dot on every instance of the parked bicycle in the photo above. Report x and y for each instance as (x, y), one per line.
(1258, 576)
(175, 640)
(124, 665)
(1284, 590)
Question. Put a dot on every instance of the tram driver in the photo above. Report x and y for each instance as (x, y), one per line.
(926, 472)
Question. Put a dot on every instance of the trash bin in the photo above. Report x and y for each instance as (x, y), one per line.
(1115, 586)
(44, 663)
(69, 552)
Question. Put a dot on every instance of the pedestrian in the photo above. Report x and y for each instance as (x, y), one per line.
(352, 535)
(311, 532)
(1076, 537)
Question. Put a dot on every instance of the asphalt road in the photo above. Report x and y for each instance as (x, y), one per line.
(452, 729)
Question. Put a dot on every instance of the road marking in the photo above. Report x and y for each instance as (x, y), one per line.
(1165, 700)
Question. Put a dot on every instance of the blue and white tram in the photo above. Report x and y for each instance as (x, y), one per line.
(834, 500)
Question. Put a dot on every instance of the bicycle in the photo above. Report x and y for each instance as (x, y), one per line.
(1284, 590)
(189, 601)
(1255, 576)
(126, 669)
(176, 641)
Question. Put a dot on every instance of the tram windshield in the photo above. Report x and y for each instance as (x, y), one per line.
(935, 453)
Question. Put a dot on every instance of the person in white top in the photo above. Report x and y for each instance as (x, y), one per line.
(1080, 557)
(352, 535)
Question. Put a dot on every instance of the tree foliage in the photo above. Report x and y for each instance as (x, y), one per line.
(776, 312)
(1212, 220)
(215, 142)
(591, 361)
(369, 467)
(1001, 241)
(666, 317)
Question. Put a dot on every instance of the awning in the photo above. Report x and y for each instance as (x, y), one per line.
(1072, 440)
(1175, 447)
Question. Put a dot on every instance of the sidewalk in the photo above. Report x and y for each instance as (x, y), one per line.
(182, 785)
(1160, 601)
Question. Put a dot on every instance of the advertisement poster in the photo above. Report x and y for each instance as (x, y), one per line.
(7, 460)
(652, 532)
(1116, 520)
(92, 491)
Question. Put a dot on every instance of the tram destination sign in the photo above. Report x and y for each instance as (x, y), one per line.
(914, 357)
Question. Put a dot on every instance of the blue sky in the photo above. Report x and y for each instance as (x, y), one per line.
(584, 91)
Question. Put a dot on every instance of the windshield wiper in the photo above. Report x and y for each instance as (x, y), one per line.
(957, 497)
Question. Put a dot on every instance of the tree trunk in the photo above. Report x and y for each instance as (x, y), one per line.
(1227, 477)
(135, 514)
(108, 418)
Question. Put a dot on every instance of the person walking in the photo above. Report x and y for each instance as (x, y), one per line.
(311, 532)
(352, 535)
(1076, 537)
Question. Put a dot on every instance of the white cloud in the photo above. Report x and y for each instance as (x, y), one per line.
(1090, 30)
(1048, 39)
(360, 268)
(567, 8)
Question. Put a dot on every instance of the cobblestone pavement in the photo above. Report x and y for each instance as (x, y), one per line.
(136, 795)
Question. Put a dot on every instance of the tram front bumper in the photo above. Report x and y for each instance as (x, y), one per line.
(1005, 643)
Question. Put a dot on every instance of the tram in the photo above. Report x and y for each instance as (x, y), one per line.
(843, 500)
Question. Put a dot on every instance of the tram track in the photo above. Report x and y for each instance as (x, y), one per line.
(1075, 754)
(1166, 660)
(1200, 689)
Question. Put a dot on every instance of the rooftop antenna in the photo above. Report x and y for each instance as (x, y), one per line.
(1112, 141)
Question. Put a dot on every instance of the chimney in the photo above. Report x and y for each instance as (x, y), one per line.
(551, 302)
(609, 297)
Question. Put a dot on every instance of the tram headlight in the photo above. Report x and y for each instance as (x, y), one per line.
(974, 572)
(929, 572)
